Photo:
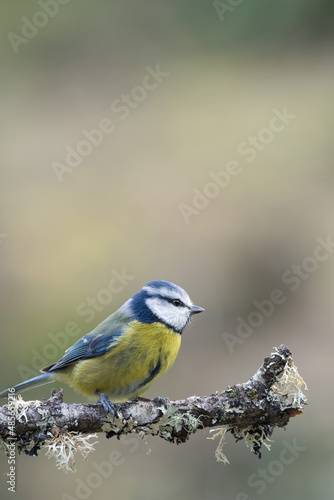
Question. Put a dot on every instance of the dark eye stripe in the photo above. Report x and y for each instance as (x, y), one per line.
(168, 299)
(176, 302)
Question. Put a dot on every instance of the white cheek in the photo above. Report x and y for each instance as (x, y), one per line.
(175, 317)
(178, 319)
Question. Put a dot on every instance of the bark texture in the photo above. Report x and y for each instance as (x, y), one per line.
(251, 410)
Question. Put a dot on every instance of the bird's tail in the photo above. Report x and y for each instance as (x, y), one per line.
(45, 378)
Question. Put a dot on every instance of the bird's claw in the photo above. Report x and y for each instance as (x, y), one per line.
(106, 403)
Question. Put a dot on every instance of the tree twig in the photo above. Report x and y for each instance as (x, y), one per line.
(250, 410)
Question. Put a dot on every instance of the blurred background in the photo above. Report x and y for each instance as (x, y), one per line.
(213, 170)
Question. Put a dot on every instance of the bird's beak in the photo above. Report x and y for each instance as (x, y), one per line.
(196, 309)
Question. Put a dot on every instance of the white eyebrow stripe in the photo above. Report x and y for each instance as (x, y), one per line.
(169, 294)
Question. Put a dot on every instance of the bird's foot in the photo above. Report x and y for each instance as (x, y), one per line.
(106, 403)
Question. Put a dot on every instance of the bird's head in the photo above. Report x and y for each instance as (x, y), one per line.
(162, 301)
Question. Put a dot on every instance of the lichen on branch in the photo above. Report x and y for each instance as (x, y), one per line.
(249, 411)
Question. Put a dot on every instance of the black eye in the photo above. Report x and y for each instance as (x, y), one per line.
(176, 302)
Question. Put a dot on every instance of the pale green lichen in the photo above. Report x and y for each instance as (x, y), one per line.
(219, 454)
(291, 385)
(235, 410)
(255, 440)
(175, 422)
(21, 408)
(44, 412)
(106, 427)
(289, 388)
(191, 423)
(64, 445)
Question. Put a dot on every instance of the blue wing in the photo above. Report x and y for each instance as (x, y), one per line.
(96, 343)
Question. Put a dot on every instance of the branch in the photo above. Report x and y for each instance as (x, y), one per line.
(251, 410)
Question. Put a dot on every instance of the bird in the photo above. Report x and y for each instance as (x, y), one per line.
(122, 357)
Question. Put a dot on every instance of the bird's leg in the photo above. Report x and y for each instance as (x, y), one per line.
(106, 403)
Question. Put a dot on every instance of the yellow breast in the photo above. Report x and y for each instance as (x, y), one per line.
(143, 353)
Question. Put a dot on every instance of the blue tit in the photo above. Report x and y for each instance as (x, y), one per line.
(122, 357)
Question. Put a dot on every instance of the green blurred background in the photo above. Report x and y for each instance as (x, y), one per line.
(120, 209)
